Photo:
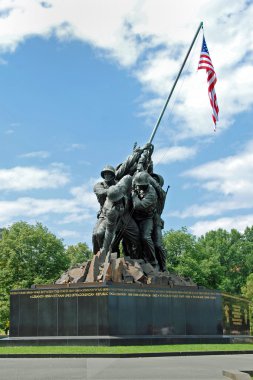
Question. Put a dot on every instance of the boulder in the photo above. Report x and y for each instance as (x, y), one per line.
(121, 270)
(93, 269)
(64, 279)
(134, 270)
(117, 270)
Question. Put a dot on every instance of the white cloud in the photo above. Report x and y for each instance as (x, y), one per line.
(102, 24)
(159, 68)
(78, 217)
(32, 208)
(81, 206)
(212, 208)
(231, 175)
(176, 153)
(151, 37)
(229, 179)
(68, 234)
(190, 103)
(240, 222)
(27, 178)
(192, 110)
(38, 154)
(84, 196)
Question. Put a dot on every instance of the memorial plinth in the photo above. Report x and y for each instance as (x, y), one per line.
(128, 313)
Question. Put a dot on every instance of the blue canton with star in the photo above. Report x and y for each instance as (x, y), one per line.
(204, 47)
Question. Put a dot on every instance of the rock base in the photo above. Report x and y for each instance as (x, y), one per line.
(121, 270)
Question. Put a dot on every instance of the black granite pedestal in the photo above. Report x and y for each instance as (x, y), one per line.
(126, 314)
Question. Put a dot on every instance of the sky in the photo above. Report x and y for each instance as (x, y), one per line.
(83, 80)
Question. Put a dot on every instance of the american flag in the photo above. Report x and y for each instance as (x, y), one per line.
(206, 63)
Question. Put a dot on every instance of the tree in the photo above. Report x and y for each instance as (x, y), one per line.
(204, 270)
(28, 254)
(188, 258)
(4, 310)
(216, 246)
(247, 289)
(218, 260)
(234, 252)
(178, 244)
(78, 253)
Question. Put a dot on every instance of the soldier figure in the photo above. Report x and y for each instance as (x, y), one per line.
(130, 209)
(139, 158)
(101, 190)
(144, 202)
(157, 181)
(116, 219)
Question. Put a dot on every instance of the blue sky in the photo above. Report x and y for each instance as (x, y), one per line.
(81, 81)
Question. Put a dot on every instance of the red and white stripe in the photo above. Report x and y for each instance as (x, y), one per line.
(206, 63)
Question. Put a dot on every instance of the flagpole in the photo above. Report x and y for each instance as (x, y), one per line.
(174, 85)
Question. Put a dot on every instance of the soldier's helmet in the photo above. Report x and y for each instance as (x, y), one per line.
(141, 179)
(158, 178)
(115, 193)
(108, 168)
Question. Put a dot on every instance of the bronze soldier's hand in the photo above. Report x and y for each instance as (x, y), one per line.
(148, 146)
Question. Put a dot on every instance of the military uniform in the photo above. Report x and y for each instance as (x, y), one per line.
(144, 204)
(101, 189)
(115, 220)
(158, 222)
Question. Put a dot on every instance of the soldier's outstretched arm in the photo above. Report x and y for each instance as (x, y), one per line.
(100, 192)
(125, 167)
(133, 159)
(99, 189)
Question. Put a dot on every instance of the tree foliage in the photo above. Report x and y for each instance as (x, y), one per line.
(178, 244)
(78, 253)
(247, 289)
(218, 260)
(31, 254)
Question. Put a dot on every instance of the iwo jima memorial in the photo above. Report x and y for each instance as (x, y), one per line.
(124, 295)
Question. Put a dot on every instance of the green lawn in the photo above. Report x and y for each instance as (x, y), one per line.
(123, 349)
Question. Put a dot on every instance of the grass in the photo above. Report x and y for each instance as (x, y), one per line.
(122, 349)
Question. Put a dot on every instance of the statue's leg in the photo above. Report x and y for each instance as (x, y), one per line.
(159, 248)
(131, 236)
(100, 233)
(146, 228)
(95, 243)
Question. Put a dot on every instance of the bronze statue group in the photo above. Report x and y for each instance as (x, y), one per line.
(131, 199)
